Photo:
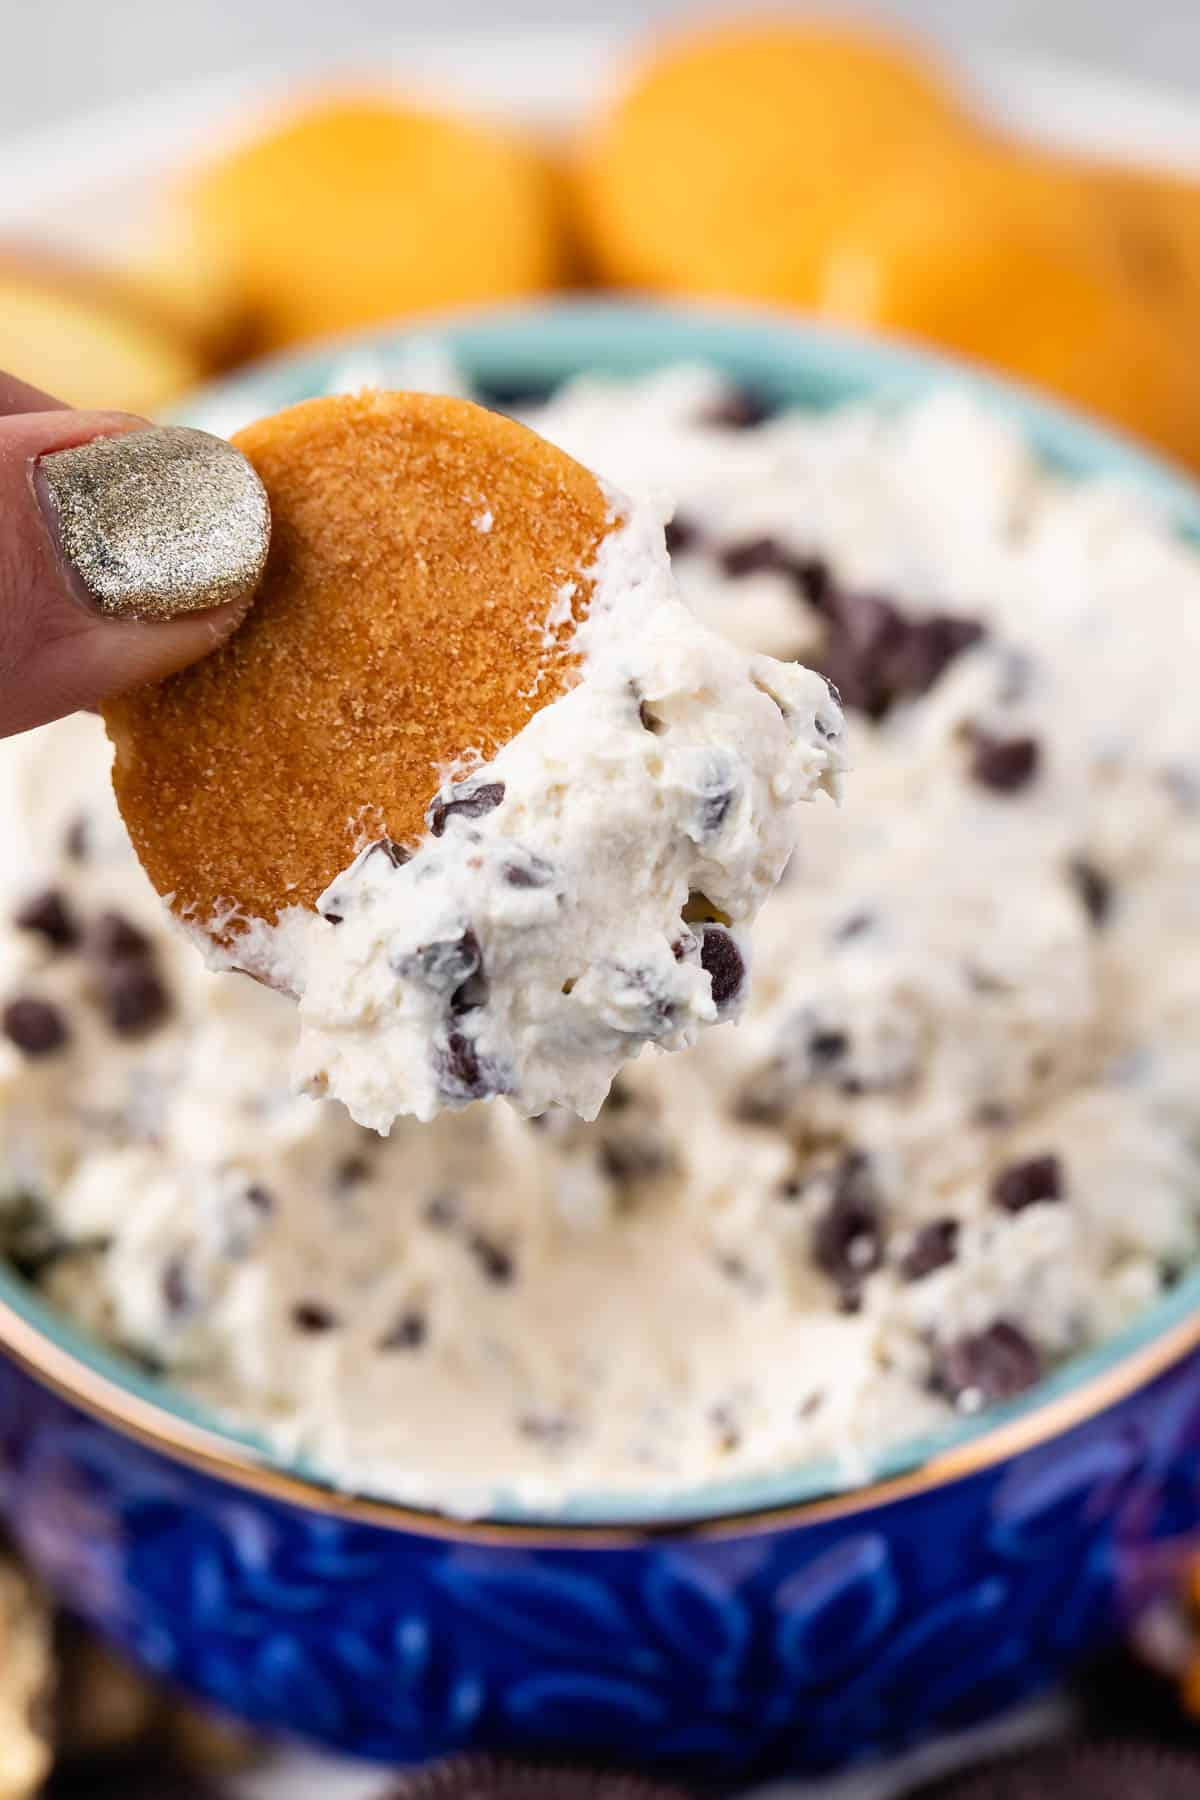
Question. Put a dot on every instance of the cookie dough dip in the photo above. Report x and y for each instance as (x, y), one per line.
(952, 1141)
(473, 784)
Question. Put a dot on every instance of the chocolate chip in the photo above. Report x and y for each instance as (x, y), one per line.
(532, 872)
(48, 916)
(740, 409)
(825, 1047)
(464, 1074)
(312, 1318)
(35, 1026)
(1026, 1183)
(930, 646)
(855, 926)
(471, 995)
(722, 961)
(176, 1289)
(493, 1259)
(445, 964)
(132, 997)
(682, 534)
(77, 840)
(260, 1198)
(934, 1247)
(878, 656)
(1004, 764)
(443, 1212)
(632, 1158)
(395, 853)
(1093, 887)
(111, 937)
(350, 1172)
(650, 720)
(994, 1365)
(756, 556)
(848, 1238)
(549, 1429)
(408, 1333)
(470, 804)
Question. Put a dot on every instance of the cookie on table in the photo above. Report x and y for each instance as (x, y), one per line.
(392, 634)
(730, 158)
(1015, 264)
(355, 209)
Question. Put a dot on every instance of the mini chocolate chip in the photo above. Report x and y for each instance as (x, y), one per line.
(878, 656)
(855, 926)
(1026, 1183)
(816, 580)
(1093, 887)
(260, 1198)
(470, 804)
(311, 1317)
(994, 1365)
(847, 1239)
(77, 839)
(396, 853)
(739, 409)
(48, 915)
(493, 1259)
(445, 964)
(930, 646)
(111, 937)
(35, 1026)
(934, 1247)
(682, 534)
(631, 1158)
(350, 1172)
(133, 997)
(650, 720)
(756, 556)
(463, 1073)
(714, 808)
(471, 995)
(533, 872)
(176, 1289)
(549, 1429)
(721, 960)
(408, 1333)
(1004, 764)
(443, 1211)
(826, 1047)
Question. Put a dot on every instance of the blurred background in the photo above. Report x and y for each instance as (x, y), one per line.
(64, 54)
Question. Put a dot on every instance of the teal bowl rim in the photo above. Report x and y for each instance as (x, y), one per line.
(797, 364)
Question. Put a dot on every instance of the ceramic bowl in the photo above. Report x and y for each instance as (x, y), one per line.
(751, 1628)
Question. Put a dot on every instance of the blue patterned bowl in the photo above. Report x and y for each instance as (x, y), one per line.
(749, 1629)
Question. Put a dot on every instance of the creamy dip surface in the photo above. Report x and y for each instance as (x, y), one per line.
(952, 1140)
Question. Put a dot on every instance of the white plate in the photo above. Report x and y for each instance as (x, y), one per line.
(92, 184)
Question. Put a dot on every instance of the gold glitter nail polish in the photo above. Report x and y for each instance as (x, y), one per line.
(157, 522)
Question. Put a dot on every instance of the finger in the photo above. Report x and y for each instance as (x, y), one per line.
(18, 397)
(126, 551)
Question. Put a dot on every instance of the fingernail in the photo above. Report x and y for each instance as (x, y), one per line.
(157, 522)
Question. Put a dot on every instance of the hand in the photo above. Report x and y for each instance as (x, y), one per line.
(126, 551)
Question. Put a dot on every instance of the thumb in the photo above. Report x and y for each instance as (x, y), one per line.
(126, 551)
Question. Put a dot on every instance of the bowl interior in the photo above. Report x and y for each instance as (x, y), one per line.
(533, 349)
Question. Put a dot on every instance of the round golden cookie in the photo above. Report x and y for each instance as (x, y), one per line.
(418, 547)
(357, 209)
(729, 161)
(1012, 262)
